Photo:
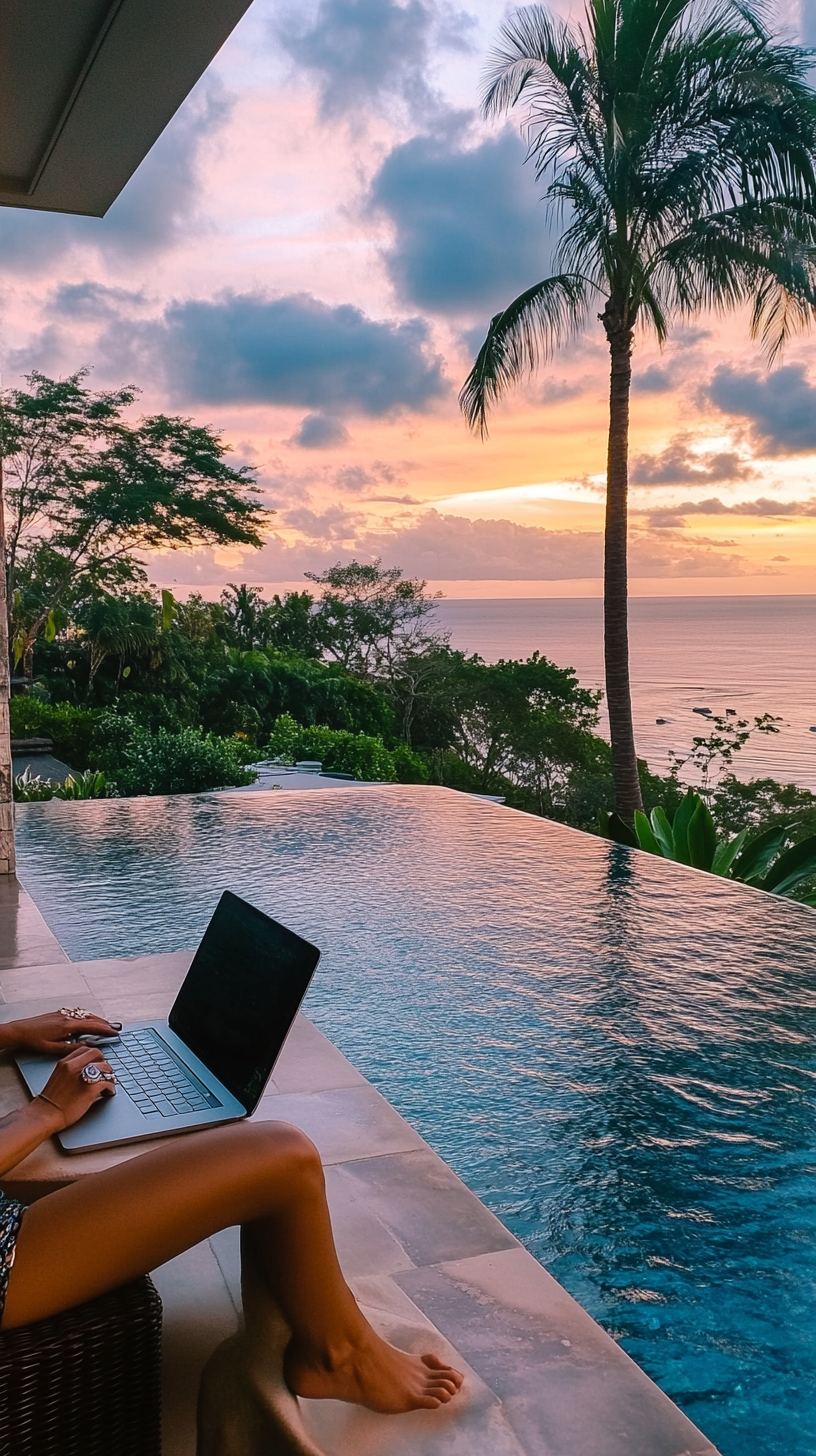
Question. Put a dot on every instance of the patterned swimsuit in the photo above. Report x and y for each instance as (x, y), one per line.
(11, 1216)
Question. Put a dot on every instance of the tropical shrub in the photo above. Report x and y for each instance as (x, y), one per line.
(767, 861)
(761, 804)
(92, 784)
(410, 767)
(70, 729)
(32, 789)
(357, 753)
(187, 762)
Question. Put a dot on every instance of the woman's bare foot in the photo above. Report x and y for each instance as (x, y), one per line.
(375, 1374)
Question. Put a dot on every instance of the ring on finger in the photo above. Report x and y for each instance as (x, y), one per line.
(75, 1013)
(92, 1072)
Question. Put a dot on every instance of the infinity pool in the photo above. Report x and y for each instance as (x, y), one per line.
(618, 1055)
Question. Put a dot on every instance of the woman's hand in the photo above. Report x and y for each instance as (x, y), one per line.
(53, 1033)
(66, 1088)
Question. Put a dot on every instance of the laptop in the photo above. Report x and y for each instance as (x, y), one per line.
(211, 1060)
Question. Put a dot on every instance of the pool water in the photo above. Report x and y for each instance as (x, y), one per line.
(617, 1054)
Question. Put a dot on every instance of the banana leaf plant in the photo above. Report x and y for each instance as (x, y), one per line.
(765, 861)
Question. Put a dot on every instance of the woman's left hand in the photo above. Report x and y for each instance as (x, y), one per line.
(54, 1033)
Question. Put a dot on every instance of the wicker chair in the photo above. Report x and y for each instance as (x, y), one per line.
(87, 1382)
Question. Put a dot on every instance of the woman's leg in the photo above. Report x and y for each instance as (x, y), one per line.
(107, 1229)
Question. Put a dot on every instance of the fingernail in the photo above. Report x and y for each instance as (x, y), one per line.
(117, 1025)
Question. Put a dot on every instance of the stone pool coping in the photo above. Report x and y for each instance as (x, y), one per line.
(427, 1260)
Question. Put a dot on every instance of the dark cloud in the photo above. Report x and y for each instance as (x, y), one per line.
(780, 407)
(295, 350)
(92, 302)
(395, 500)
(558, 391)
(364, 51)
(354, 478)
(679, 464)
(152, 212)
(319, 432)
(469, 230)
(657, 379)
(666, 520)
(761, 507)
(335, 523)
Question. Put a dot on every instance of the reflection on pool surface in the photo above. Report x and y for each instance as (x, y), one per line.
(617, 1054)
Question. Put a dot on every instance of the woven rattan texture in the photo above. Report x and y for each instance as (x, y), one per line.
(87, 1382)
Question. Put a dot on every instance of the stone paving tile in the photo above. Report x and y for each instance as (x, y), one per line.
(140, 988)
(45, 983)
(226, 1245)
(429, 1211)
(309, 1062)
(473, 1425)
(345, 1123)
(564, 1385)
(198, 1314)
(25, 938)
(364, 1244)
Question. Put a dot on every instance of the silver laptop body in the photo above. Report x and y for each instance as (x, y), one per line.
(211, 1060)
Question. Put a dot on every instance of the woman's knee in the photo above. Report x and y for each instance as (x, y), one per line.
(279, 1143)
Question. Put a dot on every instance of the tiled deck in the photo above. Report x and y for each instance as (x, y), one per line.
(422, 1253)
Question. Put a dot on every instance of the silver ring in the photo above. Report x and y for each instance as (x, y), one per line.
(75, 1013)
(92, 1072)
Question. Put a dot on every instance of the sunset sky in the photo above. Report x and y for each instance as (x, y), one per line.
(308, 260)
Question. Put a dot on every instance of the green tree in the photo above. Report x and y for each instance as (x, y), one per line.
(677, 140)
(244, 616)
(87, 490)
(371, 618)
(117, 626)
(522, 726)
(294, 625)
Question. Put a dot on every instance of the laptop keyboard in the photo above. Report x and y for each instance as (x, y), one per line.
(153, 1078)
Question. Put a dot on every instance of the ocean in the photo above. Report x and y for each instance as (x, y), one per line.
(753, 654)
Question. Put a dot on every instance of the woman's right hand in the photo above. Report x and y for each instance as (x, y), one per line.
(67, 1089)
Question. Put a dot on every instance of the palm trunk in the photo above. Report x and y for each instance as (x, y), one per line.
(7, 860)
(616, 603)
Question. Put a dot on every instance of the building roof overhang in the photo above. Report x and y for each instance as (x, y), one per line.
(86, 87)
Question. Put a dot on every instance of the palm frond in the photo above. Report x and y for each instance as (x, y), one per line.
(678, 137)
(519, 338)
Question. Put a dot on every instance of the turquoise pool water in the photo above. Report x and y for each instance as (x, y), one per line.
(618, 1055)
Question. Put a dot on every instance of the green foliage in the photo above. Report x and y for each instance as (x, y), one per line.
(92, 784)
(521, 729)
(32, 789)
(87, 490)
(637, 122)
(187, 762)
(370, 616)
(714, 751)
(410, 767)
(357, 753)
(763, 804)
(70, 729)
(690, 837)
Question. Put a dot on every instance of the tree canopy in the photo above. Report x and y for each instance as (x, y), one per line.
(87, 490)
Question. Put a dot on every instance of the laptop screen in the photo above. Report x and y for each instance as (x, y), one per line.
(241, 995)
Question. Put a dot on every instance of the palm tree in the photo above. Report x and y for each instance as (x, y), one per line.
(118, 626)
(679, 141)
